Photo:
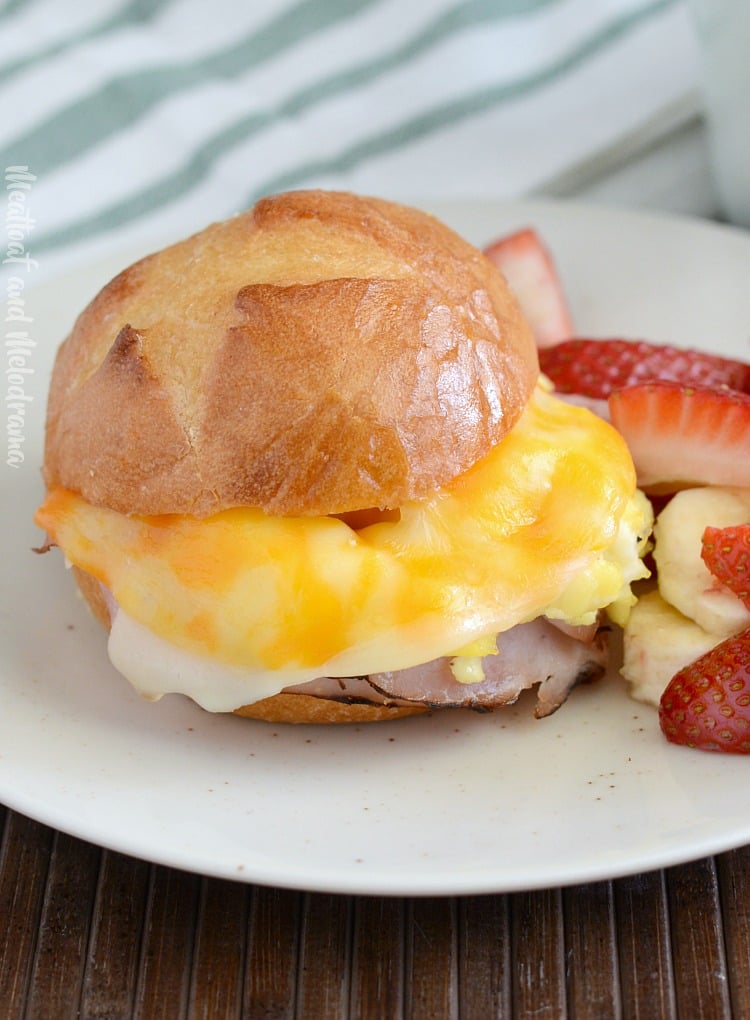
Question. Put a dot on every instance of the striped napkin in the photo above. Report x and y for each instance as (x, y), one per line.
(129, 120)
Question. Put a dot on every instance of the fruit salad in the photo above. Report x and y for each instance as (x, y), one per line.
(685, 415)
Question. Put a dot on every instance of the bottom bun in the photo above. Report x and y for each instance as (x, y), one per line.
(281, 708)
(301, 708)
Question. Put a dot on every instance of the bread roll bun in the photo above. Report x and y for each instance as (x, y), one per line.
(281, 708)
(319, 354)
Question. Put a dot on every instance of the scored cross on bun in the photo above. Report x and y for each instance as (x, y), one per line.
(304, 453)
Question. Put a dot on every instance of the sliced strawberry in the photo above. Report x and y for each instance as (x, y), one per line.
(707, 704)
(684, 435)
(726, 553)
(527, 265)
(594, 368)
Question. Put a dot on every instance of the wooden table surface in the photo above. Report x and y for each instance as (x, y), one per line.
(86, 932)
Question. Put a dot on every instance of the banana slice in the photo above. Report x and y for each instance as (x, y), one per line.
(658, 641)
(684, 580)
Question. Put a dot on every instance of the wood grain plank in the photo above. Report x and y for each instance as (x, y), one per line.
(219, 952)
(60, 957)
(377, 986)
(24, 862)
(645, 954)
(591, 964)
(431, 971)
(110, 979)
(272, 961)
(167, 948)
(701, 980)
(734, 886)
(325, 960)
(538, 955)
(484, 957)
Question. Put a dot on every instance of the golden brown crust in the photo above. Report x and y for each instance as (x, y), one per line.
(281, 708)
(318, 354)
(300, 708)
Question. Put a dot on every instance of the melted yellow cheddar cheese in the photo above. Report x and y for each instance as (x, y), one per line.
(547, 523)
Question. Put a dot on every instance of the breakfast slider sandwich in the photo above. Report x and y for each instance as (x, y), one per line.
(304, 468)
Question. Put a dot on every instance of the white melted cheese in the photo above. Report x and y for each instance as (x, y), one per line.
(155, 667)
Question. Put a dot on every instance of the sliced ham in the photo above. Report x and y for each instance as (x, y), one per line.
(532, 653)
(349, 689)
(585, 633)
(550, 653)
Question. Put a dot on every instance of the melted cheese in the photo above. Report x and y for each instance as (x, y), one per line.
(547, 523)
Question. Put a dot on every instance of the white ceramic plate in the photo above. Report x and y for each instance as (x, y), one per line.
(457, 803)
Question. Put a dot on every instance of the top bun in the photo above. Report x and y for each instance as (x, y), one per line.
(319, 354)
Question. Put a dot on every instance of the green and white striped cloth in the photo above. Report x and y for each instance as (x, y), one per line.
(141, 119)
